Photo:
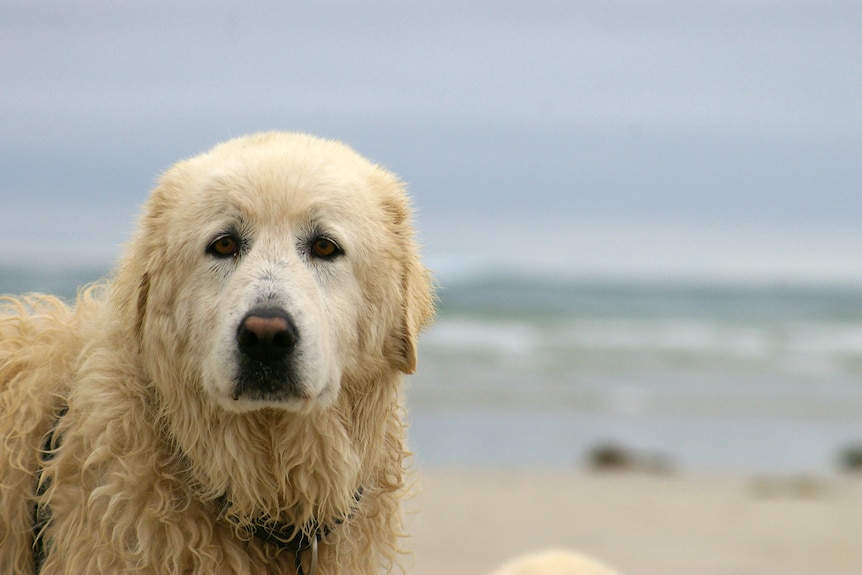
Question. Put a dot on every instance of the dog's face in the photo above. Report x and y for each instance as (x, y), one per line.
(272, 267)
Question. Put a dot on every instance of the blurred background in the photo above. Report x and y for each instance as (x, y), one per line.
(645, 217)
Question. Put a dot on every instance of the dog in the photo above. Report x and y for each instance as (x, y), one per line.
(555, 562)
(230, 400)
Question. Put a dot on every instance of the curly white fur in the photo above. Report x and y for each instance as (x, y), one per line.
(155, 440)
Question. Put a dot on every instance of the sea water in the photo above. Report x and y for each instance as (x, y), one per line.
(530, 371)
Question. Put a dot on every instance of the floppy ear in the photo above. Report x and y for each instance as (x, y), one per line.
(141, 307)
(417, 312)
(131, 290)
(134, 274)
(416, 289)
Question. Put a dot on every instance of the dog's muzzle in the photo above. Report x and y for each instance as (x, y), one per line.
(266, 341)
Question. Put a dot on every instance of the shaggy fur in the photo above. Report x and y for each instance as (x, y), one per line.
(163, 461)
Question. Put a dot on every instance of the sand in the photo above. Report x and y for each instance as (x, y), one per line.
(469, 522)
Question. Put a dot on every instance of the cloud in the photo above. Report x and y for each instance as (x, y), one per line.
(663, 111)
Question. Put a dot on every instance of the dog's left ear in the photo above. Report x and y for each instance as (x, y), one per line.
(416, 290)
(418, 310)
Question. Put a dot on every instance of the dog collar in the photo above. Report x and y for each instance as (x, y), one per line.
(287, 537)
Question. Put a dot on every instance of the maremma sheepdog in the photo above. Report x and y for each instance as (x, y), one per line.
(230, 401)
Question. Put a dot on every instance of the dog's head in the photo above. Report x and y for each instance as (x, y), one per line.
(271, 269)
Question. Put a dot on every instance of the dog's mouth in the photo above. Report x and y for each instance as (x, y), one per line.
(267, 352)
(269, 364)
(264, 381)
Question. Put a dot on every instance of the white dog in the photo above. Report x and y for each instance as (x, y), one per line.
(230, 401)
(555, 562)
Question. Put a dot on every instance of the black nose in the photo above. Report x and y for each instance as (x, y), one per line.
(266, 335)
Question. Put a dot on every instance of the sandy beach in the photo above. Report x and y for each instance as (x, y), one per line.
(469, 522)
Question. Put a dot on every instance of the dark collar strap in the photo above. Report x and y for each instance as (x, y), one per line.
(288, 538)
(41, 513)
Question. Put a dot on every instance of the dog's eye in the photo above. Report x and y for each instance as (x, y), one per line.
(325, 249)
(224, 246)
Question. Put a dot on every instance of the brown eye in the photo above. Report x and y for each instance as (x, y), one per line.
(325, 249)
(224, 246)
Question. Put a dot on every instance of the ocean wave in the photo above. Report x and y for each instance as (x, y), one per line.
(824, 348)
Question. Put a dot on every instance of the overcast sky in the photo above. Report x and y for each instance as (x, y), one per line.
(650, 137)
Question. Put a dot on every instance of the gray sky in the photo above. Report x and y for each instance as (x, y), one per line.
(653, 137)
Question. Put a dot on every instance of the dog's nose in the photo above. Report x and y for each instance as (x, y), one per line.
(266, 335)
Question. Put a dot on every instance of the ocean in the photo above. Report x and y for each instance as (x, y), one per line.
(525, 371)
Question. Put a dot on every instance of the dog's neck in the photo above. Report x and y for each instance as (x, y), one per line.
(288, 537)
(276, 473)
(294, 469)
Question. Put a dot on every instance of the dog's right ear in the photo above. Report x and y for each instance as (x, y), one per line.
(130, 292)
(141, 303)
(142, 259)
